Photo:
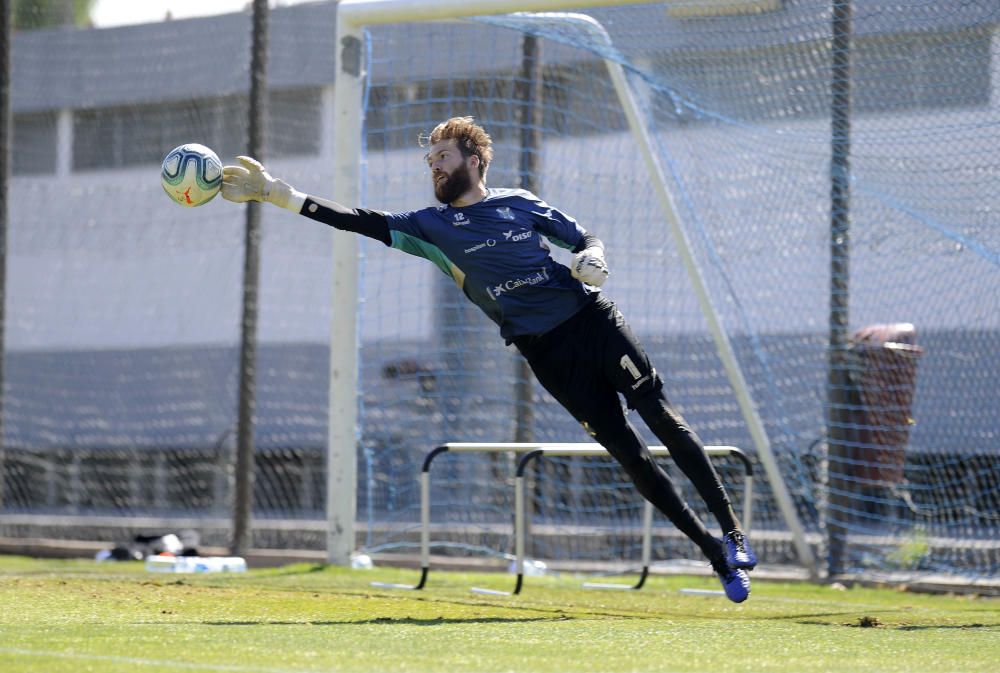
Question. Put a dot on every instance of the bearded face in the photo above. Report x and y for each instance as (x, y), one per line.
(449, 186)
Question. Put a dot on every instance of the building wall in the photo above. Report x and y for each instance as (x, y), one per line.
(99, 260)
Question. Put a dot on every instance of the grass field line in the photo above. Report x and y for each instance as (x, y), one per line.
(137, 661)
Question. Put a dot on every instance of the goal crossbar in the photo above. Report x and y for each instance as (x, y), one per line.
(359, 13)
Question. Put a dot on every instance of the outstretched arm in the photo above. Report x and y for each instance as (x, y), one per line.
(251, 182)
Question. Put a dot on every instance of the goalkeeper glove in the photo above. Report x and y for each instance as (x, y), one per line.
(590, 267)
(250, 182)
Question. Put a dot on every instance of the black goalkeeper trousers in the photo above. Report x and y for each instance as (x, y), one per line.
(585, 363)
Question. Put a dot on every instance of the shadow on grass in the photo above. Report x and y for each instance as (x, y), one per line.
(929, 627)
(871, 622)
(408, 621)
(293, 569)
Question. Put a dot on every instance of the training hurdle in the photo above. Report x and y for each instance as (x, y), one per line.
(530, 452)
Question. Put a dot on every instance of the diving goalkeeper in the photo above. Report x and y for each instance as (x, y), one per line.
(492, 243)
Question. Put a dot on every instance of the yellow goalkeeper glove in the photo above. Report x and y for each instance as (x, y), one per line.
(250, 182)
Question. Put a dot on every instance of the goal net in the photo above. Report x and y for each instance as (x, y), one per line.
(736, 100)
(122, 323)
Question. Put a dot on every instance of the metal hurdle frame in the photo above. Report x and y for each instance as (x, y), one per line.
(531, 451)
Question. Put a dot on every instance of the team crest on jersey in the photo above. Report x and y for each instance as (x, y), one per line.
(505, 213)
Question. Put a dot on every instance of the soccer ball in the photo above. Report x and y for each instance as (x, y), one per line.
(191, 174)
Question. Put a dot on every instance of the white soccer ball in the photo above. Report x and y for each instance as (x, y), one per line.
(191, 174)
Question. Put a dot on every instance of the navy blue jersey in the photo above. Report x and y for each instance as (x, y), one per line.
(496, 251)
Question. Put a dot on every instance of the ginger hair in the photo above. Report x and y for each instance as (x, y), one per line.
(471, 138)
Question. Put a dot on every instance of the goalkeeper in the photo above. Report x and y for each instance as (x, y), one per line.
(492, 243)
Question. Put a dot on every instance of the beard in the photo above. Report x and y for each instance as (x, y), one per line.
(454, 185)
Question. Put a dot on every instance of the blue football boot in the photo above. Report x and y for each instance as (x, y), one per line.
(738, 552)
(735, 581)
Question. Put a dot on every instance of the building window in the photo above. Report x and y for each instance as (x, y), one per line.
(33, 150)
(142, 134)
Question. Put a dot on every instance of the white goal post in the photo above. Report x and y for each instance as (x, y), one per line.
(353, 16)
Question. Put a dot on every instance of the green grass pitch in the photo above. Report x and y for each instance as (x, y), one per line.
(72, 616)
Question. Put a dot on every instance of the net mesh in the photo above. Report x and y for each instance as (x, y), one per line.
(122, 323)
(738, 108)
(123, 309)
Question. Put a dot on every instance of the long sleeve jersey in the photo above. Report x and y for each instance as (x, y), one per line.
(496, 250)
